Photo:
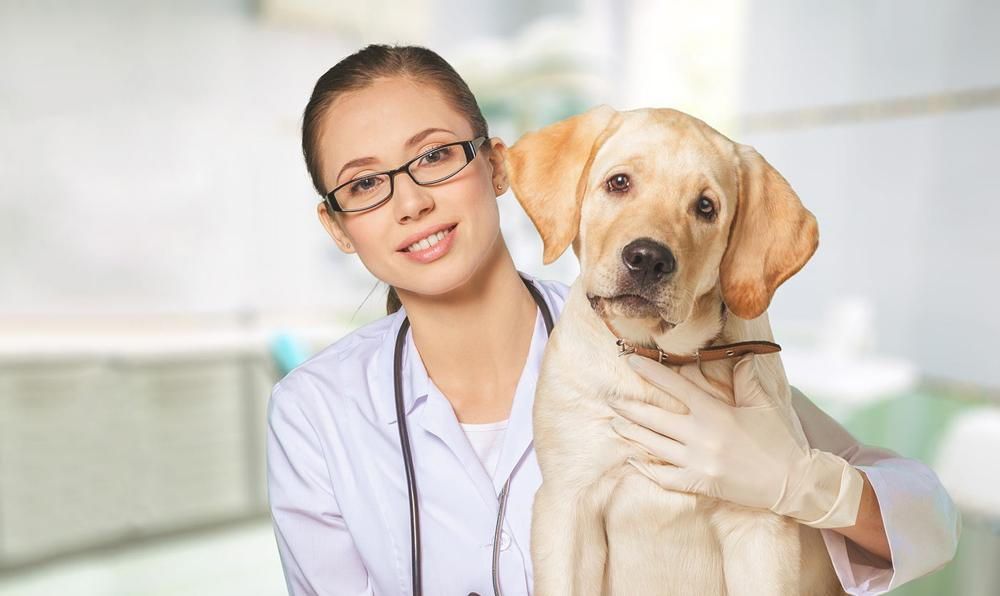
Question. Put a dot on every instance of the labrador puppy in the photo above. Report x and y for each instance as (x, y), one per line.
(682, 237)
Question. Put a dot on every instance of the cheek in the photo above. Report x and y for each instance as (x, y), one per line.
(369, 235)
(476, 196)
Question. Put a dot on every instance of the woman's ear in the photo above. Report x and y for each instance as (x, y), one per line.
(548, 170)
(771, 238)
(497, 155)
(334, 229)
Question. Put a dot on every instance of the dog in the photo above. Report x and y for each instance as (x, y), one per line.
(682, 236)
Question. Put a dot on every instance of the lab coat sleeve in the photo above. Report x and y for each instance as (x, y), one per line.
(921, 522)
(317, 552)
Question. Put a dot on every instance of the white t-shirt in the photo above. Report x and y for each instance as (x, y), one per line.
(487, 439)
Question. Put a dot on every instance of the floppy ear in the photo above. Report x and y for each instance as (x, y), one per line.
(547, 169)
(771, 238)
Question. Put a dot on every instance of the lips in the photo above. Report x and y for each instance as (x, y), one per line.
(402, 246)
(627, 305)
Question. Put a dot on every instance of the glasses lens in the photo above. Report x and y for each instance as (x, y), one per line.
(439, 163)
(363, 192)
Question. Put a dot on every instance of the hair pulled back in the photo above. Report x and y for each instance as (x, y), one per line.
(364, 67)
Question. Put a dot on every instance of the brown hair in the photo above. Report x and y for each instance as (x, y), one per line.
(364, 67)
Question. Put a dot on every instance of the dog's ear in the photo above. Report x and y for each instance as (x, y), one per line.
(547, 169)
(771, 238)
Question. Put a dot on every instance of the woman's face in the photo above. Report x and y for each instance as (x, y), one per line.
(392, 121)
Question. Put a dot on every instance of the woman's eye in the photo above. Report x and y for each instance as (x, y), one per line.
(705, 207)
(618, 183)
(435, 156)
(365, 184)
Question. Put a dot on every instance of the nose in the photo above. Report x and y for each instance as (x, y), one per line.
(648, 260)
(409, 199)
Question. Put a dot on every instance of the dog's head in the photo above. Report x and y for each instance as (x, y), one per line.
(664, 213)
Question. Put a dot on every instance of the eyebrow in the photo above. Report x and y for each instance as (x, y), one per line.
(364, 161)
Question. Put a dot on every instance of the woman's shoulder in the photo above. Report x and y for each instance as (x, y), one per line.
(337, 375)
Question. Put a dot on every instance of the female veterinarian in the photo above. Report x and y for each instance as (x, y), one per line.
(397, 147)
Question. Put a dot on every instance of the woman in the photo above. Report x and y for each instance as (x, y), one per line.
(336, 482)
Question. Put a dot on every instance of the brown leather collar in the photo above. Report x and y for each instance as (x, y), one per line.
(718, 352)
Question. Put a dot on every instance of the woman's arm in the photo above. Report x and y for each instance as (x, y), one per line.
(317, 552)
(907, 525)
(823, 432)
(868, 530)
(748, 454)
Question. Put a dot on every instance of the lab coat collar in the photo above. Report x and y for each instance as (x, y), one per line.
(414, 374)
(518, 437)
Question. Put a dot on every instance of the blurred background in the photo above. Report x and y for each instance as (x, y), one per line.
(161, 264)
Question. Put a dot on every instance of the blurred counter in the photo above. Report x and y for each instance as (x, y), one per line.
(109, 437)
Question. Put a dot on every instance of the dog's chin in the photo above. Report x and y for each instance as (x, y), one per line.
(630, 306)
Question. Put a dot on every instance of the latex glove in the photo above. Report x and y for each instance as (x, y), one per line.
(745, 454)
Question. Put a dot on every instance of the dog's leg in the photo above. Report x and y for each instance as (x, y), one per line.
(568, 546)
(592, 553)
(552, 524)
(816, 574)
(760, 551)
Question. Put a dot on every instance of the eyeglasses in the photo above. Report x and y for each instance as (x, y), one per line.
(430, 167)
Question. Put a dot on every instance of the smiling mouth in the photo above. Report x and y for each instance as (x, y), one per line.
(419, 248)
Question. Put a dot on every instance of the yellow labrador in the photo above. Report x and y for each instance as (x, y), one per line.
(682, 237)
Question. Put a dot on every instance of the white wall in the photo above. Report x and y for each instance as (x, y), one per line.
(906, 193)
(150, 158)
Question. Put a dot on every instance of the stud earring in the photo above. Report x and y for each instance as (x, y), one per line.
(499, 186)
(348, 245)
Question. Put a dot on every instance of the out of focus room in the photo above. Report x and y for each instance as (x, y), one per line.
(162, 266)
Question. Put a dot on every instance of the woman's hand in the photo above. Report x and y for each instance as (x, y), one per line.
(747, 454)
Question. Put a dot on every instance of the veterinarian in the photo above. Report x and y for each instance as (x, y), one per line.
(465, 331)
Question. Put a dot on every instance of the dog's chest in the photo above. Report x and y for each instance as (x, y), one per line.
(572, 412)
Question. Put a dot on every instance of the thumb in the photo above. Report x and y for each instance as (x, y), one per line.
(747, 390)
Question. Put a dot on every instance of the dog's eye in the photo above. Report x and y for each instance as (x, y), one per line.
(705, 207)
(618, 183)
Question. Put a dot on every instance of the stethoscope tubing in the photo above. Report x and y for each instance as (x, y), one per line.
(411, 481)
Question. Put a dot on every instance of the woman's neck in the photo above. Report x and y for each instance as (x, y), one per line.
(474, 341)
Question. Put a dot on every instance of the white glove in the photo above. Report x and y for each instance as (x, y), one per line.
(745, 454)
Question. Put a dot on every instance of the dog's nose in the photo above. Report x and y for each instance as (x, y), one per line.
(648, 260)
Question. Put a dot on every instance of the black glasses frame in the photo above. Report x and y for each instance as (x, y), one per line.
(471, 150)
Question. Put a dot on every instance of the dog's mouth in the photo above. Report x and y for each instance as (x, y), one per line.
(630, 306)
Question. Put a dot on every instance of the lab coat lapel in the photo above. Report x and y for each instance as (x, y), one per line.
(438, 418)
(518, 437)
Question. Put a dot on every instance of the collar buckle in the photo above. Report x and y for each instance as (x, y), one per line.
(625, 348)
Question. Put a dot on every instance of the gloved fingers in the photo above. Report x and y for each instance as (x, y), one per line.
(747, 390)
(665, 475)
(652, 442)
(670, 424)
(684, 390)
(692, 372)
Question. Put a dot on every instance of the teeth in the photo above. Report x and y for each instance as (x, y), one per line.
(428, 241)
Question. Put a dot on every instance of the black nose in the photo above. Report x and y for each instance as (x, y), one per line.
(648, 261)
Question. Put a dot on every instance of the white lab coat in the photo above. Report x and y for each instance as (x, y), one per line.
(338, 496)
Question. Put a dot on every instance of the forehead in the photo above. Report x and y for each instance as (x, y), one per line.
(662, 141)
(378, 119)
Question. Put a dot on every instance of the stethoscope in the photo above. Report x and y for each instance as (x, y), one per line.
(404, 441)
